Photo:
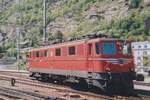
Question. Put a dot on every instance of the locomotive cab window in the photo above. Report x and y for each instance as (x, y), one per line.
(90, 49)
(126, 49)
(98, 47)
(109, 48)
(58, 52)
(72, 50)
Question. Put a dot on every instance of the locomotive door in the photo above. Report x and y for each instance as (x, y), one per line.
(90, 63)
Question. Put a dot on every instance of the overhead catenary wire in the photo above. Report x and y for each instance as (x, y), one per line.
(18, 38)
(44, 22)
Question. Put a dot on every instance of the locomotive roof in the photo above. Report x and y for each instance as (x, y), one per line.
(75, 42)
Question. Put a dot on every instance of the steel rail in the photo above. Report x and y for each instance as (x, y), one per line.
(141, 83)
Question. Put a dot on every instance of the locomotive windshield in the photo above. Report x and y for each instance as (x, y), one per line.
(109, 48)
(126, 49)
(112, 48)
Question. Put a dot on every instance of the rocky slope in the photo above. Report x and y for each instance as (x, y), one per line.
(74, 18)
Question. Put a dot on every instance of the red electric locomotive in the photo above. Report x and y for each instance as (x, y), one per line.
(101, 62)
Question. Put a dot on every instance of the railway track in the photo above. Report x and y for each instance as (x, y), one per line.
(19, 94)
(141, 83)
(14, 72)
(38, 84)
(26, 81)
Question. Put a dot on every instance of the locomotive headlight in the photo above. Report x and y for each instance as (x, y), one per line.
(132, 69)
(108, 69)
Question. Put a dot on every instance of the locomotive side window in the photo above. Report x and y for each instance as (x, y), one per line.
(45, 53)
(90, 49)
(37, 54)
(97, 45)
(58, 52)
(72, 50)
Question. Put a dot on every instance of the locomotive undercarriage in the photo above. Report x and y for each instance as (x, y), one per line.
(107, 82)
(118, 83)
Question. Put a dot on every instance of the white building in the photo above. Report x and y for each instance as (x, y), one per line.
(141, 50)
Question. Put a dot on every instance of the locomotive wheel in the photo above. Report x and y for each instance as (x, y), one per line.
(59, 81)
(83, 85)
(140, 77)
(111, 88)
(129, 88)
(122, 86)
(44, 77)
(31, 74)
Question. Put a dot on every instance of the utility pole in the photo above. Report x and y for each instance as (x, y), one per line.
(44, 23)
(18, 46)
(4, 35)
